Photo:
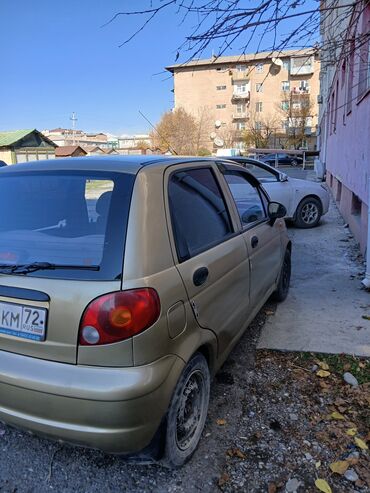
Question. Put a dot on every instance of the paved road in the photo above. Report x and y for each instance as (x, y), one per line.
(325, 307)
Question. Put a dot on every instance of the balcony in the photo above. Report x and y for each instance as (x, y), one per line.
(238, 76)
(241, 96)
(301, 65)
(241, 116)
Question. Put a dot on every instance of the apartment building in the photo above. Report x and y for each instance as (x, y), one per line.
(344, 122)
(234, 93)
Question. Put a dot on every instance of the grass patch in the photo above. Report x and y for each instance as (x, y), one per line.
(339, 364)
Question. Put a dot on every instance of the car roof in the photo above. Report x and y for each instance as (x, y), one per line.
(124, 164)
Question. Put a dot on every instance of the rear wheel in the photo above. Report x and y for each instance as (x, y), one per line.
(284, 279)
(308, 213)
(294, 162)
(187, 413)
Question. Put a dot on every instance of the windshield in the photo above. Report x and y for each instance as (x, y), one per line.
(73, 220)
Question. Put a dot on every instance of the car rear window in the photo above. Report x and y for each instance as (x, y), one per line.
(70, 219)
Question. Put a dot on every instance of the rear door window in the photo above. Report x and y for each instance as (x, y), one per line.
(247, 198)
(200, 218)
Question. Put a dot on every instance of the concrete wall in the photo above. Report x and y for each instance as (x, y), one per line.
(347, 140)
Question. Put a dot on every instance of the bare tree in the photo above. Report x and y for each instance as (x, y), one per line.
(230, 135)
(297, 113)
(260, 131)
(228, 21)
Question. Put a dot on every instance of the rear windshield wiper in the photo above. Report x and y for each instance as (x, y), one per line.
(34, 266)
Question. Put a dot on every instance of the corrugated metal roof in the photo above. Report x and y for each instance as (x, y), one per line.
(10, 138)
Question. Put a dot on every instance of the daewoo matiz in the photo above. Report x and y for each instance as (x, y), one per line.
(124, 284)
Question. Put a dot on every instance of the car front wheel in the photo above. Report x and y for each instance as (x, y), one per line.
(308, 213)
(187, 413)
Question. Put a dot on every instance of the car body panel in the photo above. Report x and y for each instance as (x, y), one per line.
(114, 396)
(285, 190)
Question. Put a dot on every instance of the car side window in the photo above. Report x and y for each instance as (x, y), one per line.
(199, 214)
(247, 198)
(263, 174)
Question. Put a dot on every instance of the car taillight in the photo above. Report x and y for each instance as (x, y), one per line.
(117, 316)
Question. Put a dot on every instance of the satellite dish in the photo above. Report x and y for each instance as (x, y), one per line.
(218, 123)
(277, 61)
(212, 135)
(218, 142)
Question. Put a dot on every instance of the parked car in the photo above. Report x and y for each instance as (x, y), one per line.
(305, 201)
(282, 158)
(2, 163)
(124, 285)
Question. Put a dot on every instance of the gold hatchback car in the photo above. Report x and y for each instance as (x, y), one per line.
(124, 285)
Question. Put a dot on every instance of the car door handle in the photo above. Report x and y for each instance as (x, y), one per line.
(254, 241)
(200, 276)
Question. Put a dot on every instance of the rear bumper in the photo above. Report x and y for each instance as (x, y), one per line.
(117, 410)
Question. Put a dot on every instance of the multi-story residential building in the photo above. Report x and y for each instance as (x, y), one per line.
(68, 137)
(258, 90)
(344, 125)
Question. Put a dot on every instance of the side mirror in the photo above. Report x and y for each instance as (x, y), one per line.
(276, 211)
(283, 177)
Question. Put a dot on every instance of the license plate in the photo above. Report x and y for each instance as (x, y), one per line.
(24, 321)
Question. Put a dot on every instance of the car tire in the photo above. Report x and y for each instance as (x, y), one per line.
(187, 412)
(308, 213)
(284, 278)
(294, 162)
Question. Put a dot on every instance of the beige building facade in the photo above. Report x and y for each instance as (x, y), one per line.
(266, 90)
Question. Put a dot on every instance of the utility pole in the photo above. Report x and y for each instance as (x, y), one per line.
(73, 118)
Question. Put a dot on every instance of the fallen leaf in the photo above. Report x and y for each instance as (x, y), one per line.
(351, 432)
(323, 373)
(339, 467)
(322, 485)
(236, 452)
(221, 422)
(360, 443)
(269, 312)
(223, 479)
(318, 464)
(366, 317)
(336, 415)
(323, 365)
(272, 488)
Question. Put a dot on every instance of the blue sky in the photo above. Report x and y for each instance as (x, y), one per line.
(57, 58)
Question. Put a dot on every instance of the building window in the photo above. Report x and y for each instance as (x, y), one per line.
(259, 107)
(351, 62)
(218, 69)
(220, 88)
(356, 205)
(259, 87)
(240, 108)
(258, 125)
(296, 106)
(364, 66)
(286, 64)
(241, 88)
(285, 105)
(220, 106)
(338, 195)
(241, 68)
(285, 125)
(259, 68)
(240, 126)
(285, 85)
(303, 86)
